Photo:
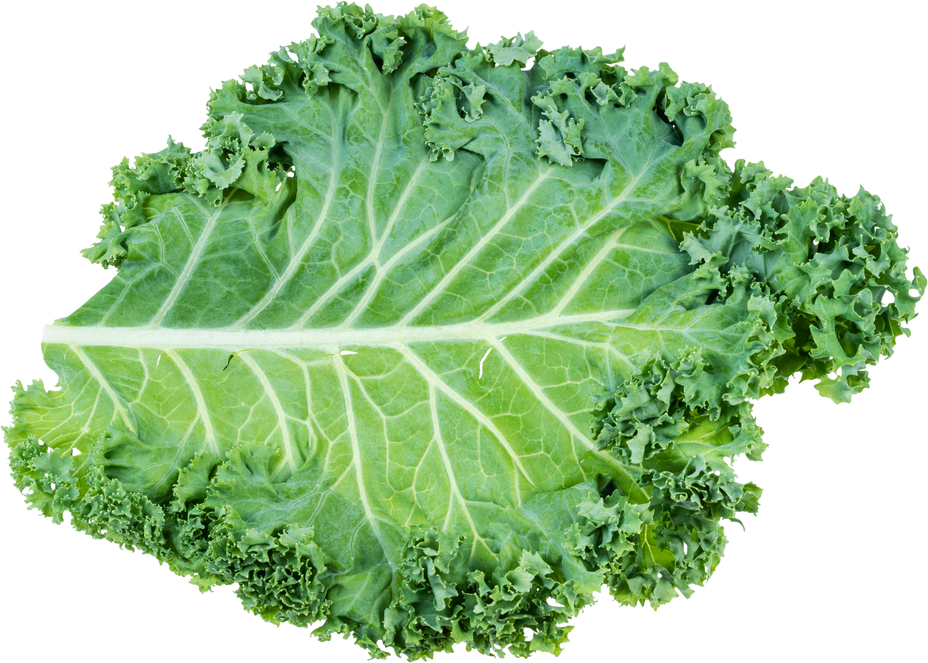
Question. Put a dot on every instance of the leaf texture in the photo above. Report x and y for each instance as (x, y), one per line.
(428, 345)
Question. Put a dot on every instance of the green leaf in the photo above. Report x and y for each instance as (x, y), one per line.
(425, 346)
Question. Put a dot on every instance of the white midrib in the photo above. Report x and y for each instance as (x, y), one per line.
(329, 338)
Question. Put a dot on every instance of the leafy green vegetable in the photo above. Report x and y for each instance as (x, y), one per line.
(430, 342)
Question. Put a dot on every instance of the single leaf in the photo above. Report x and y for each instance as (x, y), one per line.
(425, 347)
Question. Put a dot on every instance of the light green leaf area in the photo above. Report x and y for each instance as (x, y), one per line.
(426, 346)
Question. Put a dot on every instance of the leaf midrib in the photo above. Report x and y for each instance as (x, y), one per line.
(323, 338)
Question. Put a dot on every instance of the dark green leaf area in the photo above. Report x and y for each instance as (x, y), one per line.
(787, 281)
(552, 553)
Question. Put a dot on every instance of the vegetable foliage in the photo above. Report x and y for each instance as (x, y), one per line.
(430, 342)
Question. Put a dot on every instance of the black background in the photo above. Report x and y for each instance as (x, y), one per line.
(833, 95)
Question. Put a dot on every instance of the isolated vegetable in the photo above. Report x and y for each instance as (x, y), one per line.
(428, 343)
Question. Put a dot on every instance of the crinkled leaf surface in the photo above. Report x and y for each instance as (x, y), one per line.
(426, 346)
